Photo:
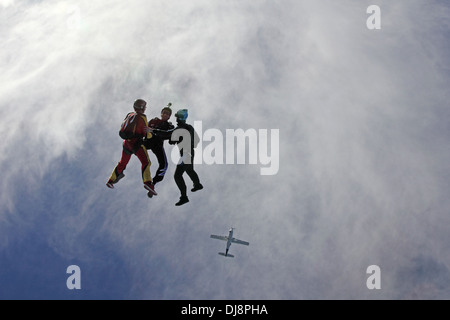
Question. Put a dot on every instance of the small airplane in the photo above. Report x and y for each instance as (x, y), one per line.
(229, 241)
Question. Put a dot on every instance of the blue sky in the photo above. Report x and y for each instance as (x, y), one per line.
(363, 122)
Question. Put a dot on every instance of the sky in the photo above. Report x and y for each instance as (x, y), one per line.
(361, 118)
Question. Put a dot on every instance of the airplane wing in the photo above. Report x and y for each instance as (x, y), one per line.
(219, 237)
(245, 243)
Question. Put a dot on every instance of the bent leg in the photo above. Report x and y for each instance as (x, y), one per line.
(163, 164)
(179, 179)
(142, 154)
(192, 174)
(121, 166)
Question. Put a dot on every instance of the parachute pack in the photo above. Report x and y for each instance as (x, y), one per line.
(128, 126)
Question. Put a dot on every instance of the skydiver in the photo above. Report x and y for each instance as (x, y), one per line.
(161, 130)
(134, 145)
(186, 163)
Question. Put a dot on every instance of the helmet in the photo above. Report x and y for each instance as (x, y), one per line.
(167, 108)
(140, 104)
(182, 114)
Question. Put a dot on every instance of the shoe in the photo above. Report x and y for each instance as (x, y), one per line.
(150, 188)
(110, 184)
(150, 195)
(120, 176)
(157, 179)
(182, 201)
(197, 187)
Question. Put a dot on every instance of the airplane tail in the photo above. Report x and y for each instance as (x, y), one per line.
(226, 255)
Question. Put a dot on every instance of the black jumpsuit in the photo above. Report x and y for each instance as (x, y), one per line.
(162, 131)
(183, 166)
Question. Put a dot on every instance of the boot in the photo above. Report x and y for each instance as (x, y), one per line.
(197, 187)
(183, 200)
(110, 184)
(150, 188)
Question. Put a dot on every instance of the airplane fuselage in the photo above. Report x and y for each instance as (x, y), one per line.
(230, 237)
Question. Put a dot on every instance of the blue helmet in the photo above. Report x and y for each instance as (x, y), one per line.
(182, 114)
